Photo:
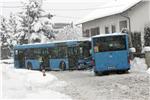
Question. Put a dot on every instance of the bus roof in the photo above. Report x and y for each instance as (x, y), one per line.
(49, 44)
(112, 34)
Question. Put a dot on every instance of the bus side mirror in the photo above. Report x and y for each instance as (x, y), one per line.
(132, 50)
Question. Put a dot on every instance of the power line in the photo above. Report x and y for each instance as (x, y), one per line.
(11, 6)
(85, 8)
(67, 17)
(66, 9)
(10, 2)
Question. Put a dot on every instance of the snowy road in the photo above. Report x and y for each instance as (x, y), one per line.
(76, 85)
(83, 85)
(28, 84)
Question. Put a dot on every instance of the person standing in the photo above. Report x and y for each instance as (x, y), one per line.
(43, 66)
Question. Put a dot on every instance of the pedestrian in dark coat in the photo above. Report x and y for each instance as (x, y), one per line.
(43, 66)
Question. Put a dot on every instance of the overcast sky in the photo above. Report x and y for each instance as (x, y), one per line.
(65, 10)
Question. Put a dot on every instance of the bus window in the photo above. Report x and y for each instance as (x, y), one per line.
(53, 53)
(21, 58)
(16, 54)
(62, 52)
(112, 43)
(44, 51)
(81, 50)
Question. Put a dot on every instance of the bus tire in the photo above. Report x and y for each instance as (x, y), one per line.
(29, 66)
(121, 71)
(105, 73)
(62, 65)
(96, 73)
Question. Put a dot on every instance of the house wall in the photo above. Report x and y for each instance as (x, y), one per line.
(104, 22)
(139, 16)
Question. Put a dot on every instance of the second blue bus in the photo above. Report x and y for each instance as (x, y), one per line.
(110, 53)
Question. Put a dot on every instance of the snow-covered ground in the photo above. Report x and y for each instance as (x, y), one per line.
(83, 85)
(27, 84)
(138, 64)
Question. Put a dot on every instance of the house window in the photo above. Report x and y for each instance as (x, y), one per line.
(86, 33)
(123, 24)
(94, 31)
(113, 28)
(106, 30)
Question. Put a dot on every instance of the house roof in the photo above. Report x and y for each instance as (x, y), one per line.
(112, 8)
(112, 34)
(60, 25)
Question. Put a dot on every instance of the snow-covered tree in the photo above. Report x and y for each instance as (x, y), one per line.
(13, 25)
(4, 39)
(70, 32)
(147, 36)
(136, 41)
(31, 19)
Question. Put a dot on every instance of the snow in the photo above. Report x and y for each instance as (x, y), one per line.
(37, 26)
(40, 36)
(146, 49)
(132, 50)
(138, 65)
(34, 36)
(111, 34)
(148, 71)
(70, 32)
(27, 84)
(114, 7)
(56, 41)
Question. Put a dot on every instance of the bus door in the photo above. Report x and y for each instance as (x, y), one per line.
(72, 57)
(45, 57)
(21, 58)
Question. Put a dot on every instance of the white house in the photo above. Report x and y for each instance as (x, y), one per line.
(113, 17)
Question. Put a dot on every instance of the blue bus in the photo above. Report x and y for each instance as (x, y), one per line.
(59, 55)
(110, 53)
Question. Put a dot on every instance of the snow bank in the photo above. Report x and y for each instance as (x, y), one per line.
(27, 84)
(132, 50)
(7, 61)
(148, 71)
(146, 49)
(138, 65)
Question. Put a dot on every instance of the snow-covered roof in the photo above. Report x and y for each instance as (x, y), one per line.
(112, 34)
(112, 8)
(50, 44)
(85, 39)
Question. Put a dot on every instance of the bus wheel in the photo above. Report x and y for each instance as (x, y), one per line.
(105, 73)
(121, 72)
(96, 73)
(62, 65)
(29, 66)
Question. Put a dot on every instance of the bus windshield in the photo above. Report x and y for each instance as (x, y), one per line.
(110, 43)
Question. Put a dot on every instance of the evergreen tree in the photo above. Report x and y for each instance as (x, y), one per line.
(13, 26)
(147, 36)
(32, 23)
(4, 39)
(70, 32)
